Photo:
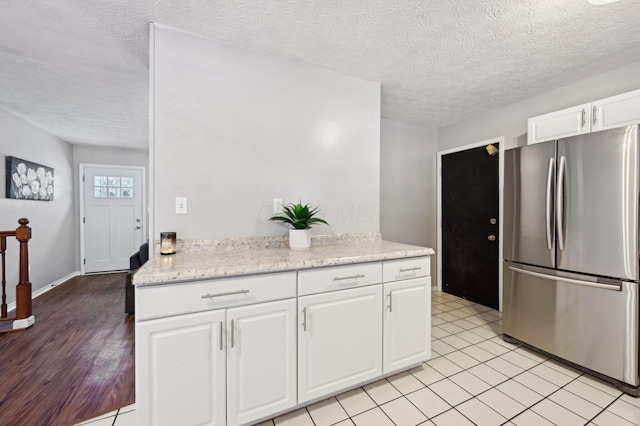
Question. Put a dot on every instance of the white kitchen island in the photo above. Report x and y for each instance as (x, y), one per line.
(232, 332)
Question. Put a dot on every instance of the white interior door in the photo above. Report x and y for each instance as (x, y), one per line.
(113, 219)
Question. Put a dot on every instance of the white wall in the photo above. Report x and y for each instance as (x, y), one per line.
(511, 121)
(51, 248)
(408, 183)
(234, 129)
(103, 155)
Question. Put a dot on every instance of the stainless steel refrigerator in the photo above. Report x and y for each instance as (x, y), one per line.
(571, 268)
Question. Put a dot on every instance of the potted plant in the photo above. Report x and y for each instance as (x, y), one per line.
(300, 218)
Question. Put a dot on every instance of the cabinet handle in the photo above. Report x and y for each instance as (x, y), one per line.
(350, 277)
(391, 301)
(415, 268)
(304, 318)
(221, 337)
(233, 334)
(593, 114)
(229, 293)
(584, 117)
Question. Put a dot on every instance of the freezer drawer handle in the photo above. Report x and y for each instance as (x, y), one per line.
(568, 280)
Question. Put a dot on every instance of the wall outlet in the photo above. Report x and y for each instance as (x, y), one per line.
(277, 205)
(181, 205)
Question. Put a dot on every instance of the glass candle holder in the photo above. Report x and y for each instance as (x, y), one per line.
(167, 242)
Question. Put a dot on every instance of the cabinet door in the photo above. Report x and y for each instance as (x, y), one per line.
(559, 124)
(261, 373)
(180, 370)
(407, 323)
(339, 340)
(616, 111)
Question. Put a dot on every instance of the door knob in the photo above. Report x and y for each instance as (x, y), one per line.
(491, 237)
(138, 227)
(138, 220)
(493, 221)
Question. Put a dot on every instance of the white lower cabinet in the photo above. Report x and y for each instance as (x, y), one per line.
(234, 351)
(261, 365)
(407, 323)
(216, 368)
(181, 370)
(339, 340)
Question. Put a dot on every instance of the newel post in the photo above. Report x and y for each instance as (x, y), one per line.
(23, 289)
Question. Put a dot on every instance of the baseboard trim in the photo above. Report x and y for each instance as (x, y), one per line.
(24, 323)
(12, 306)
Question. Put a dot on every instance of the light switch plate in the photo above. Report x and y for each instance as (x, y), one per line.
(181, 205)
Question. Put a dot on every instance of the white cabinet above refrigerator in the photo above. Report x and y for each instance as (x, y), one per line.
(608, 113)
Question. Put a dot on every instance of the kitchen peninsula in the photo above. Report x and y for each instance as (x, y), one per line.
(231, 332)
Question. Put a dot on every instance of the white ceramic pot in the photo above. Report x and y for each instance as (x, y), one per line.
(299, 239)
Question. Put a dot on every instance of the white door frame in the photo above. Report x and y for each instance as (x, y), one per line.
(498, 140)
(82, 166)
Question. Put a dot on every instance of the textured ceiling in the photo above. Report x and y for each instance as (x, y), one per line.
(78, 68)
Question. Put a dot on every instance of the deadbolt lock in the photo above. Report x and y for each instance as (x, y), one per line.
(493, 221)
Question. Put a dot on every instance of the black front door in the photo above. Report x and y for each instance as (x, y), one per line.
(470, 206)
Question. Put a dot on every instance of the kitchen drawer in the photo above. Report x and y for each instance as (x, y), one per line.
(167, 300)
(332, 278)
(407, 268)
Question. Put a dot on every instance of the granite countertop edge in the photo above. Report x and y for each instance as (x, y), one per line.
(209, 261)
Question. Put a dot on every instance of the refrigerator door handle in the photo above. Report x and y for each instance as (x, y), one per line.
(549, 201)
(560, 202)
(613, 287)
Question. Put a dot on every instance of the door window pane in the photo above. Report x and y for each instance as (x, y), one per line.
(112, 187)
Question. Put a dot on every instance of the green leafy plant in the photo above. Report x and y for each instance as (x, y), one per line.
(299, 216)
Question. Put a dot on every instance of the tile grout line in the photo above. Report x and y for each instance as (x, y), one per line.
(540, 377)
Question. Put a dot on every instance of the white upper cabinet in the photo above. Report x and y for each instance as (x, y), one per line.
(559, 124)
(615, 111)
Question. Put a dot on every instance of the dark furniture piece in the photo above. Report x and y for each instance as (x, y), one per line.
(135, 261)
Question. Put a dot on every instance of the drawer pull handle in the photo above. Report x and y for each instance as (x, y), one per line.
(415, 268)
(229, 293)
(304, 318)
(233, 334)
(350, 277)
(221, 337)
(391, 301)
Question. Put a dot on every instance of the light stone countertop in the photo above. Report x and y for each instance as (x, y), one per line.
(199, 260)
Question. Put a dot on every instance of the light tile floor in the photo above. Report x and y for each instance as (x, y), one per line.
(473, 377)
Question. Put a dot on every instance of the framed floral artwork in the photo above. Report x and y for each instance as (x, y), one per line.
(28, 181)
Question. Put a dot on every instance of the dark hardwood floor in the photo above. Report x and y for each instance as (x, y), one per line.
(75, 362)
